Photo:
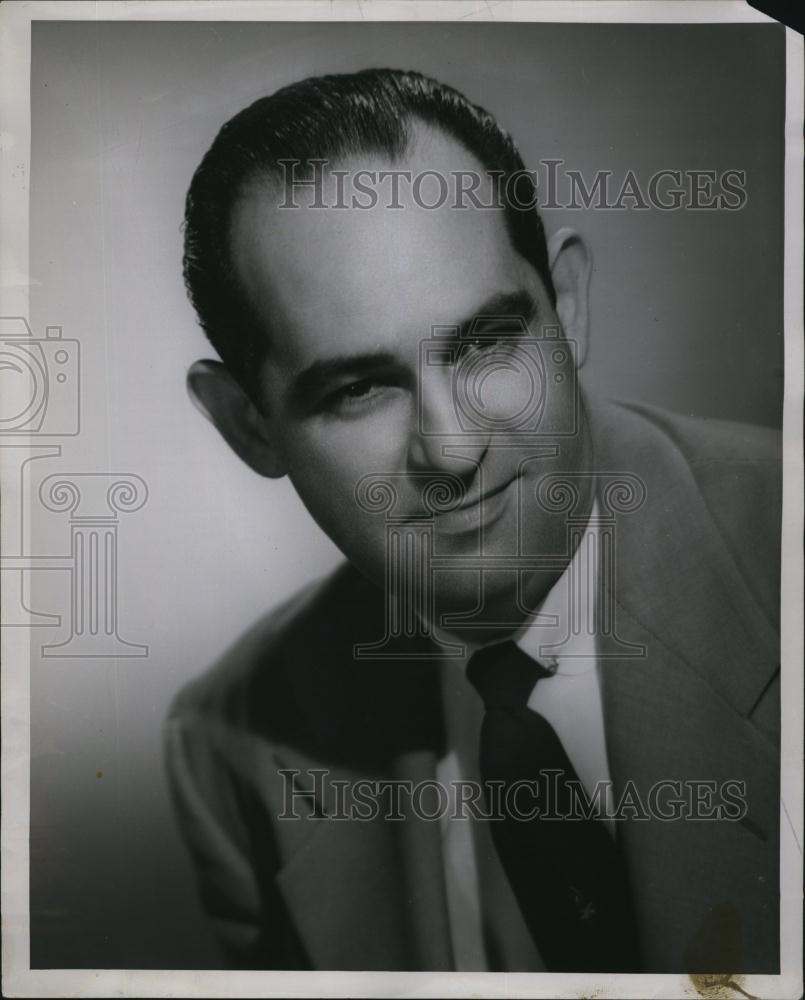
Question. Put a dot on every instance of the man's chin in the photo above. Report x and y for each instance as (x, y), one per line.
(469, 595)
(483, 611)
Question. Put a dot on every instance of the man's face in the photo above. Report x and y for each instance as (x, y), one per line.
(347, 297)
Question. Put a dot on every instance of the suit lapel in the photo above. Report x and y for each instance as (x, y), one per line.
(681, 712)
(674, 574)
(664, 724)
(422, 872)
(369, 893)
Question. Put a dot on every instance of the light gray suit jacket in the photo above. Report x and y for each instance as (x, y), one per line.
(697, 584)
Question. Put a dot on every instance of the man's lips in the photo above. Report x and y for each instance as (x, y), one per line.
(480, 498)
(481, 510)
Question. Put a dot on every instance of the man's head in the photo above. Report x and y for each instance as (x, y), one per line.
(320, 314)
(329, 118)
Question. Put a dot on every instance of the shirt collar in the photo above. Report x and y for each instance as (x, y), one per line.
(563, 627)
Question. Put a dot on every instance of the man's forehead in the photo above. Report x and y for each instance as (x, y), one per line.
(366, 274)
(372, 195)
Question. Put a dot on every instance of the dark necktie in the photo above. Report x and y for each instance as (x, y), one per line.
(567, 874)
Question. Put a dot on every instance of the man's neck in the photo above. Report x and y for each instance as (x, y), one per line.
(511, 609)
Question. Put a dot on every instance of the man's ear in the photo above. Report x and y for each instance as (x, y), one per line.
(222, 400)
(571, 266)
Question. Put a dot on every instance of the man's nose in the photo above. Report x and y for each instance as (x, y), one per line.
(440, 440)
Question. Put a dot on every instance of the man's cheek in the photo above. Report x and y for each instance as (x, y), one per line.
(351, 449)
(326, 478)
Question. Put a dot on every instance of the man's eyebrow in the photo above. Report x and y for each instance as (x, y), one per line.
(503, 305)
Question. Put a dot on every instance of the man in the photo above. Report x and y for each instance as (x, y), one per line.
(546, 594)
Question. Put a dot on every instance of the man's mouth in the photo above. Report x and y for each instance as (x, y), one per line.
(478, 511)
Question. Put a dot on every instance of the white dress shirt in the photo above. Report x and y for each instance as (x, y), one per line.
(570, 700)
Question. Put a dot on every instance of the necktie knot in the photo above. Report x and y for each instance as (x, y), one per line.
(503, 675)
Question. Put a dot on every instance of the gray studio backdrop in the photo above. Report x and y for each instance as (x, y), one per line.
(686, 308)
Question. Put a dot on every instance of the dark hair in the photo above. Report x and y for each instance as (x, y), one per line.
(329, 117)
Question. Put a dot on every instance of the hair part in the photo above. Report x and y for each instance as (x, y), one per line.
(327, 118)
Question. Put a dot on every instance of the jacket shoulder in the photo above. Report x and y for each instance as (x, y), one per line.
(309, 618)
(293, 679)
(710, 439)
(737, 469)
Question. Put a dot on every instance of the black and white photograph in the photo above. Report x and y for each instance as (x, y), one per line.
(401, 454)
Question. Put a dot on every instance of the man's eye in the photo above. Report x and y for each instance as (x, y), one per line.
(472, 345)
(354, 394)
(493, 342)
(355, 390)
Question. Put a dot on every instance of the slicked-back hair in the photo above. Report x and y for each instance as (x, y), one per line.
(329, 118)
